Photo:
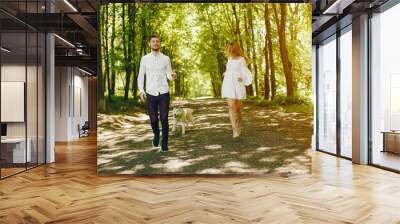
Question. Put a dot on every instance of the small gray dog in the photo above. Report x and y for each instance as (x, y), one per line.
(182, 117)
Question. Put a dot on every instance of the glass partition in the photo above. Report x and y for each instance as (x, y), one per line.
(13, 105)
(32, 98)
(22, 88)
(385, 89)
(327, 95)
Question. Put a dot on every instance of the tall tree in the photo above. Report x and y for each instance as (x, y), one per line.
(253, 47)
(294, 45)
(218, 53)
(270, 51)
(249, 88)
(132, 45)
(237, 25)
(178, 84)
(126, 56)
(196, 43)
(228, 18)
(112, 50)
(286, 63)
(142, 50)
(107, 55)
(101, 82)
(267, 64)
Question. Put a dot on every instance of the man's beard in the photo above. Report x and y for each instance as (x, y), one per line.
(155, 49)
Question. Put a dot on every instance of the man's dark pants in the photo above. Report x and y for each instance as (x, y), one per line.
(154, 104)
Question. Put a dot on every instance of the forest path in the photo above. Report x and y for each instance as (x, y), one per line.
(272, 140)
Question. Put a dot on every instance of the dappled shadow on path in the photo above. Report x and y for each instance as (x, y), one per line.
(272, 141)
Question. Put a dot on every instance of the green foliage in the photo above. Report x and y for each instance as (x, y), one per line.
(286, 104)
(284, 100)
(194, 37)
(118, 104)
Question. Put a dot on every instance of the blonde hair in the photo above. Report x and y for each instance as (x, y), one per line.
(233, 49)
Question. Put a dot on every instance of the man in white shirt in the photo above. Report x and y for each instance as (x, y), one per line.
(156, 67)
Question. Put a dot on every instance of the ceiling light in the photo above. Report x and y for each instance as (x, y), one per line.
(5, 50)
(84, 71)
(337, 7)
(64, 40)
(70, 5)
(79, 51)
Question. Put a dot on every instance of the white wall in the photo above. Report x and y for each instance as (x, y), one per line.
(71, 87)
(12, 73)
(62, 81)
(80, 110)
(16, 73)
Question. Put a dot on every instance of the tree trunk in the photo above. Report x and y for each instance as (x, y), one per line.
(177, 86)
(270, 53)
(294, 30)
(214, 88)
(107, 57)
(253, 48)
(219, 57)
(132, 20)
(287, 65)
(249, 88)
(182, 86)
(143, 43)
(266, 73)
(126, 56)
(228, 19)
(101, 81)
(112, 51)
(237, 26)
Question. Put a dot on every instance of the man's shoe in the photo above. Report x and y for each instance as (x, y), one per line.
(156, 141)
(164, 148)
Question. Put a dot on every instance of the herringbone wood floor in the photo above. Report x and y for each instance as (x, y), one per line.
(70, 191)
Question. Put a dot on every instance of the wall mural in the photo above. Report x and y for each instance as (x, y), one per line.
(200, 88)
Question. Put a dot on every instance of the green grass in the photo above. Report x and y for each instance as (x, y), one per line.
(118, 105)
(288, 105)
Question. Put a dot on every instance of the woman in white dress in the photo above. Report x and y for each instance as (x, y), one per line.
(236, 77)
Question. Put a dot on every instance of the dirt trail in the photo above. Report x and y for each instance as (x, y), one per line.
(272, 141)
